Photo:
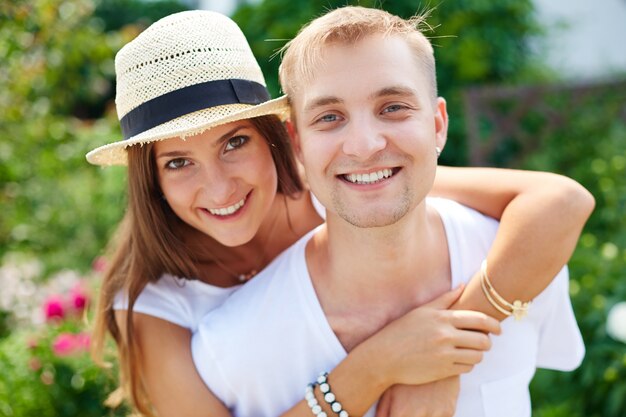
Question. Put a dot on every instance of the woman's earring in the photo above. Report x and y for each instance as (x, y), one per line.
(438, 150)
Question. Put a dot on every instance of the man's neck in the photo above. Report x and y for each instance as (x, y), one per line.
(367, 277)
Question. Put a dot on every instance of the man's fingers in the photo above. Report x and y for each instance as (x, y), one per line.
(468, 339)
(468, 357)
(461, 368)
(473, 320)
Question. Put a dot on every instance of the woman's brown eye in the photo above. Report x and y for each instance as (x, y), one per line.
(177, 163)
(236, 142)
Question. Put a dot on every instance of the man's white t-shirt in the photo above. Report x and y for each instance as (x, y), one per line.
(267, 341)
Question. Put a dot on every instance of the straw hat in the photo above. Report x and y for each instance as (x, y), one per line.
(186, 73)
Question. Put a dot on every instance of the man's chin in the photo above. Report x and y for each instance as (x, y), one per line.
(374, 219)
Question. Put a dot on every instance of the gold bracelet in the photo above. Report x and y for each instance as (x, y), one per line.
(518, 309)
(491, 300)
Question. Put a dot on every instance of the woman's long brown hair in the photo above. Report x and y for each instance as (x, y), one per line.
(149, 243)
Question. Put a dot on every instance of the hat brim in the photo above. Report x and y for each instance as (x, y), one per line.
(188, 125)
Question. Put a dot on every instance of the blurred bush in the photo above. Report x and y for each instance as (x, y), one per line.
(56, 90)
(46, 369)
(592, 150)
(57, 71)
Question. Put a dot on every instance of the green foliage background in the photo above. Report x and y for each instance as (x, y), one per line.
(56, 90)
(56, 68)
(592, 149)
(56, 93)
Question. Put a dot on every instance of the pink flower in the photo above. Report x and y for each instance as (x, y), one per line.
(78, 298)
(83, 340)
(65, 344)
(53, 308)
(99, 264)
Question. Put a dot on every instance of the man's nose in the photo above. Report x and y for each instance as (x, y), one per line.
(364, 139)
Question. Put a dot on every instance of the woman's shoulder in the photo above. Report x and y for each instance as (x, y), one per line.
(178, 300)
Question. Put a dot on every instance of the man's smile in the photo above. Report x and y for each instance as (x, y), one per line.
(370, 177)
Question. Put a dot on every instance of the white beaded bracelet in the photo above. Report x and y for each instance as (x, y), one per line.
(329, 396)
(309, 396)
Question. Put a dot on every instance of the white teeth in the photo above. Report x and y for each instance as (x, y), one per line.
(370, 178)
(225, 211)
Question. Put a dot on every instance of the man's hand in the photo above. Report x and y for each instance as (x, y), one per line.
(435, 399)
(431, 343)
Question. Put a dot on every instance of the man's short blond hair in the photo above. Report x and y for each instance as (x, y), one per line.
(348, 25)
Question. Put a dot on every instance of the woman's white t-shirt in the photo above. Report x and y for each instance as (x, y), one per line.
(183, 301)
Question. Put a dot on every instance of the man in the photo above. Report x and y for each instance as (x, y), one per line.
(368, 127)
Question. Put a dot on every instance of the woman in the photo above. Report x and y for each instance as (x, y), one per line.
(214, 196)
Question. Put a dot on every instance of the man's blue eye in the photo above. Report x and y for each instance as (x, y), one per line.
(393, 108)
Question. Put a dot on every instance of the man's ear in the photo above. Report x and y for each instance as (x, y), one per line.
(441, 123)
(295, 138)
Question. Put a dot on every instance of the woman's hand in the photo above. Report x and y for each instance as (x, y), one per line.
(431, 343)
(435, 399)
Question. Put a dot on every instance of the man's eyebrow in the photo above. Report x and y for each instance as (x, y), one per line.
(322, 101)
(394, 91)
(383, 92)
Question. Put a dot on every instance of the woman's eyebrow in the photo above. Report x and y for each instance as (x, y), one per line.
(230, 133)
(172, 154)
(221, 139)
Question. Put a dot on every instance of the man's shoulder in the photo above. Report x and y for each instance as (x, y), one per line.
(469, 235)
(445, 206)
(461, 217)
